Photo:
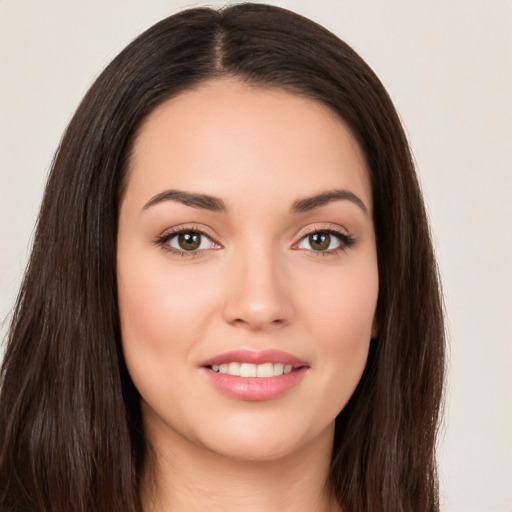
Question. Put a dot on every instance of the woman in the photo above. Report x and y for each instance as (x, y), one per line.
(232, 297)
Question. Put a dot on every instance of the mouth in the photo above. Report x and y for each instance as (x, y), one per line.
(250, 375)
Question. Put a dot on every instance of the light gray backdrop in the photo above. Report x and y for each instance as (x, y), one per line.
(447, 65)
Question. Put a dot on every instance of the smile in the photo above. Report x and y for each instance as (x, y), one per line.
(261, 371)
(253, 375)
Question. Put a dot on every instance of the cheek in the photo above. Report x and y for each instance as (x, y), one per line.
(164, 311)
(340, 320)
(356, 311)
(159, 312)
(145, 308)
(159, 306)
(142, 307)
(343, 306)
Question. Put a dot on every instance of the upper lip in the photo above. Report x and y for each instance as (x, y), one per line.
(255, 357)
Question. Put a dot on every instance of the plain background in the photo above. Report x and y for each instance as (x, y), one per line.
(448, 68)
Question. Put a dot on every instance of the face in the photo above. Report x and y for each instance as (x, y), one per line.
(247, 270)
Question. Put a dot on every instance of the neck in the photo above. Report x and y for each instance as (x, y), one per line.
(183, 477)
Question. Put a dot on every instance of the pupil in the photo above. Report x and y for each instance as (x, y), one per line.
(189, 241)
(320, 241)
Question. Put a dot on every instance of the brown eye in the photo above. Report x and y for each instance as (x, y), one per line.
(319, 241)
(189, 241)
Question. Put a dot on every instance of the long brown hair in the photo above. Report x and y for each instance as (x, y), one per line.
(71, 436)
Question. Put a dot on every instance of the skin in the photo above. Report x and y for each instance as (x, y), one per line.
(258, 284)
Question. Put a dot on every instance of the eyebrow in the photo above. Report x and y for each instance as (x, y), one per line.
(214, 204)
(310, 203)
(192, 199)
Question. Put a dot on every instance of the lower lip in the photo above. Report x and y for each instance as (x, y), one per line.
(255, 388)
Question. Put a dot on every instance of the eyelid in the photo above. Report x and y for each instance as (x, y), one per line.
(183, 228)
(320, 226)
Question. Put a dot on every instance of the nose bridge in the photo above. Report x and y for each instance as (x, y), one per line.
(257, 295)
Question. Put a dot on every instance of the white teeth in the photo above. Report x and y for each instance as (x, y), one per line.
(247, 370)
(234, 368)
(278, 369)
(264, 370)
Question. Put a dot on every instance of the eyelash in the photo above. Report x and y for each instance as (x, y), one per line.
(346, 241)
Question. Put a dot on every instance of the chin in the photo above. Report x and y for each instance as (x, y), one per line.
(253, 440)
(251, 449)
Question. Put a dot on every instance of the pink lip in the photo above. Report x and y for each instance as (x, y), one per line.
(251, 356)
(254, 388)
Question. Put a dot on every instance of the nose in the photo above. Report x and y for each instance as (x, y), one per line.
(257, 294)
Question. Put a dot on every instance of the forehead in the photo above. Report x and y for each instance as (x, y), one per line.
(228, 139)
